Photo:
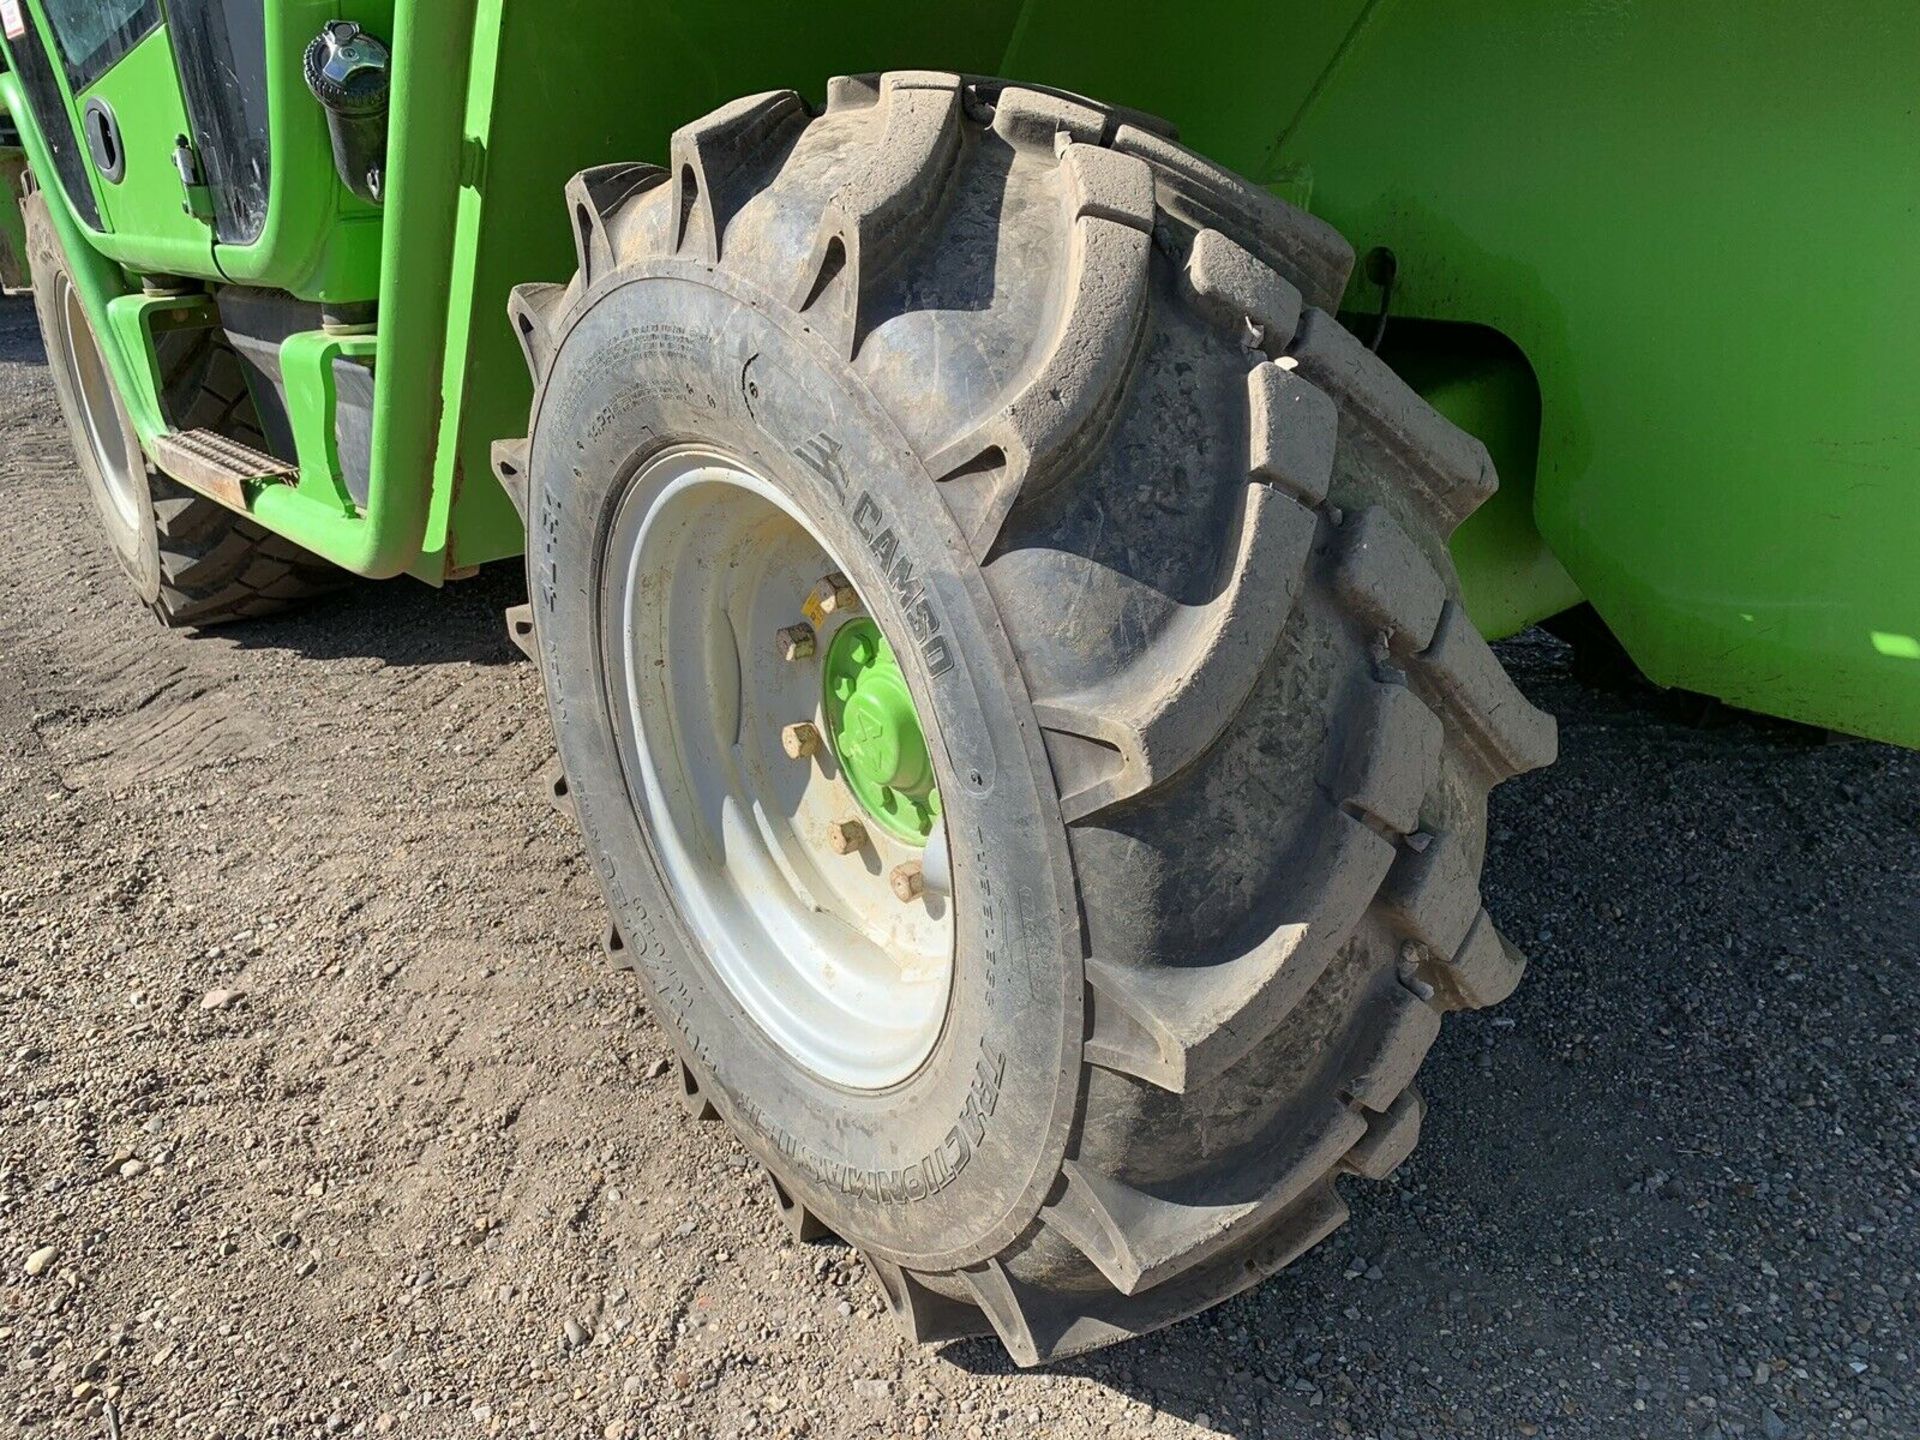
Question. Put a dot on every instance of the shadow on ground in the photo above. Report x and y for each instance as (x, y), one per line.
(399, 622)
(20, 332)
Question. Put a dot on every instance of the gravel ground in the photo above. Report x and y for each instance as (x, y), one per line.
(321, 1114)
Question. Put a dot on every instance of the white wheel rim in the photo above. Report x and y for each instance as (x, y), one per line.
(92, 389)
(706, 562)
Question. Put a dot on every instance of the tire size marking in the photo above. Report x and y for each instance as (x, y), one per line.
(928, 1175)
(549, 576)
(897, 566)
(636, 352)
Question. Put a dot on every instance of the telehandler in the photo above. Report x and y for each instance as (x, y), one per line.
(1012, 574)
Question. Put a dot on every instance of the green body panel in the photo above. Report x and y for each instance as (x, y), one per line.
(1478, 379)
(1696, 221)
(588, 82)
(306, 367)
(96, 279)
(320, 242)
(133, 322)
(416, 252)
(26, 121)
(1701, 236)
(431, 43)
(476, 520)
(1668, 242)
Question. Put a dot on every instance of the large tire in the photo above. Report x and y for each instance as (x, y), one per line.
(190, 560)
(1213, 725)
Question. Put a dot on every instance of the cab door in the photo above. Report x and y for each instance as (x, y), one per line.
(131, 114)
(112, 74)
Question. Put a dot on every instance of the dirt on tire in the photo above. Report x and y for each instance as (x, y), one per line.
(1188, 537)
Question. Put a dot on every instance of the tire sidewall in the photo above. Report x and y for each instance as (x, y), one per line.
(135, 546)
(951, 1165)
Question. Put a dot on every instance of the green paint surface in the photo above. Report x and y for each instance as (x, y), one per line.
(320, 241)
(1696, 221)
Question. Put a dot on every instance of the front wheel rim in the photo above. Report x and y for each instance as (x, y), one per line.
(837, 943)
(92, 389)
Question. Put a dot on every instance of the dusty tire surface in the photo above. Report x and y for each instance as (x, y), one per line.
(1171, 548)
(191, 561)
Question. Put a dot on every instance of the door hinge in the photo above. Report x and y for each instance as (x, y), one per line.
(473, 163)
(196, 198)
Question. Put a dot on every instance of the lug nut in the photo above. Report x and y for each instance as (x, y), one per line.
(844, 837)
(834, 594)
(795, 642)
(907, 882)
(799, 741)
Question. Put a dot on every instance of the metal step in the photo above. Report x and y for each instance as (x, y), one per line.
(217, 466)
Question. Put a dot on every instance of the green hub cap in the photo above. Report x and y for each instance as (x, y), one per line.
(875, 733)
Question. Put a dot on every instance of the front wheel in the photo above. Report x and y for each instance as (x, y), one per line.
(190, 560)
(1008, 672)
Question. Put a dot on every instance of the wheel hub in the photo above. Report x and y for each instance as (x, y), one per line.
(876, 734)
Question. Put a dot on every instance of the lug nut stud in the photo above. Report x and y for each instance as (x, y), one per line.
(795, 642)
(845, 837)
(799, 741)
(835, 595)
(907, 882)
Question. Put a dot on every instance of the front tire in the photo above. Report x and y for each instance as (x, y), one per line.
(105, 446)
(190, 560)
(1163, 552)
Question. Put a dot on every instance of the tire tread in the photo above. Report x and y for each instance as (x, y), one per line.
(1351, 487)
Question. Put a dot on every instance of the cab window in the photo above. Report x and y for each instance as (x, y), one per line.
(94, 35)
